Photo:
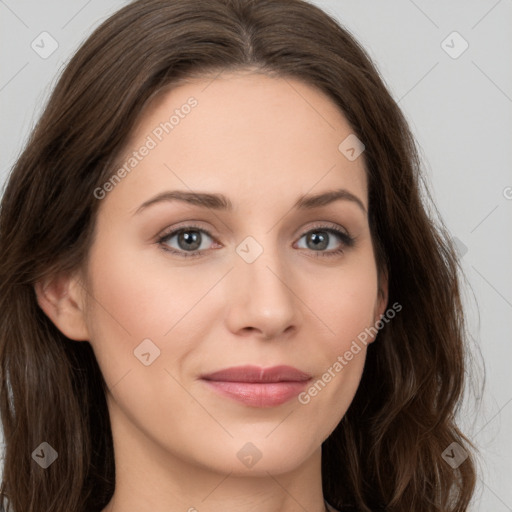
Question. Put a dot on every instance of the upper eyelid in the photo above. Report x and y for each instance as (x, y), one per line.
(166, 232)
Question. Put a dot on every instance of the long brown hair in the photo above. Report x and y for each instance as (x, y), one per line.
(388, 449)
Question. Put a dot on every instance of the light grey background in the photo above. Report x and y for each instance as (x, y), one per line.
(460, 110)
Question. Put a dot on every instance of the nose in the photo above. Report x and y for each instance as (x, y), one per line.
(261, 297)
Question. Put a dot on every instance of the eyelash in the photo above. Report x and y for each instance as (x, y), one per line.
(346, 240)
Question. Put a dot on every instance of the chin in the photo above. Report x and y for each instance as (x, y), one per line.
(258, 455)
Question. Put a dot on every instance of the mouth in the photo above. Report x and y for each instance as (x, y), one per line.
(258, 387)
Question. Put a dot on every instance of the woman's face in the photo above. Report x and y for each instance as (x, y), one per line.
(268, 285)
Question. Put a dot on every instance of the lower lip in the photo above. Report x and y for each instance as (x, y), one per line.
(257, 394)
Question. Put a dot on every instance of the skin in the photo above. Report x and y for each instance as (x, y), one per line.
(262, 142)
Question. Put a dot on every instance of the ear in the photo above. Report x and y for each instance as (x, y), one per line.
(62, 299)
(381, 301)
(382, 297)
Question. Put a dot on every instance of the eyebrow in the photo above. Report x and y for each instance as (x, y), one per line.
(221, 202)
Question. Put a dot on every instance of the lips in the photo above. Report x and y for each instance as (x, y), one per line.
(258, 387)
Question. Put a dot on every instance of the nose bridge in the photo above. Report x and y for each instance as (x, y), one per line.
(261, 262)
(263, 291)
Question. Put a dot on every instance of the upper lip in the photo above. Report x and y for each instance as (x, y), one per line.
(257, 374)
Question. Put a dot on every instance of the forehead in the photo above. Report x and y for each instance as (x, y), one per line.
(245, 132)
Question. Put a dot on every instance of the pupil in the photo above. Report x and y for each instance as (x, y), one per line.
(188, 238)
(319, 240)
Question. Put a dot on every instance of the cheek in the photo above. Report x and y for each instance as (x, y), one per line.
(141, 294)
(344, 300)
(347, 310)
(137, 296)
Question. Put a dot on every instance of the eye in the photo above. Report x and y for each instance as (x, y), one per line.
(324, 237)
(189, 240)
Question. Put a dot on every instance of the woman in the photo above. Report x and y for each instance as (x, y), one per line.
(305, 352)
